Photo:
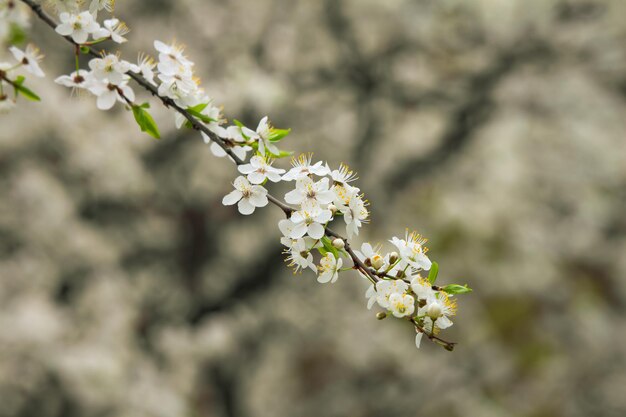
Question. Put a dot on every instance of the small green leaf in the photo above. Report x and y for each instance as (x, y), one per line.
(456, 289)
(432, 274)
(322, 251)
(19, 88)
(19, 80)
(85, 49)
(238, 123)
(277, 134)
(282, 154)
(16, 35)
(328, 247)
(196, 111)
(145, 121)
(198, 108)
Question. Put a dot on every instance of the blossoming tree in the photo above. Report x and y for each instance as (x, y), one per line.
(401, 278)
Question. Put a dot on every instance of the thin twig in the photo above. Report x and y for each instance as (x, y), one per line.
(198, 126)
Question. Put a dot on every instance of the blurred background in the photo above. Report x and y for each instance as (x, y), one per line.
(495, 128)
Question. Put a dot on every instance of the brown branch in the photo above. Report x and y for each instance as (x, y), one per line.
(198, 126)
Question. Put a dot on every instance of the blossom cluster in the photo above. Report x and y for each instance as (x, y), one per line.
(318, 196)
(28, 60)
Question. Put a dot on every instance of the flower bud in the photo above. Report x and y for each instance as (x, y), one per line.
(332, 208)
(381, 315)
(434, 311)
(377, 262)
(393, 257)
(339, 243)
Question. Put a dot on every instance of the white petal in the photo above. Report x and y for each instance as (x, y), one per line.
(325, 197)
(245, 207)
(298, 230)
(232, 197)
(246, 169)
(418, 339)
(324, 278)
(241, 183)
(64, 29)
(256, 177)
(294, 197)
(258, 199)
(80, 36)
(273, 176)
(106, 100)
(285, 226)
(215, 148)
(316, 230)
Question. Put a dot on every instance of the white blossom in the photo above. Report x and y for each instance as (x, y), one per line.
(96, 5)
(246, 195)
(29, 58)
(422, 288)
(145, 67)
(78, 26)
(310, 220)
(114, 29)
(437, 311)
(371, 257)
(316, 193)
(172, 59)
(401, 304)
(302, 167)
(78, 79)
(110, 68)
(411, 250)
(261, 136)
(329, 268)
(386, 288)
(343, 175)
(109, 93)
(354, 214)
(259, 169)
(299, 256)
(233, 140)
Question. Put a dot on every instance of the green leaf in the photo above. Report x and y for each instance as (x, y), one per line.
(203, 117)
(238, 123)
(456, 289)
(432, 274)
(198, 108)
(282, 154)
(85, 49)
(16, 35)
(328, 247)
(277, 134)
(145, 121)
(322, 251)
(19, 80)
(19, 88)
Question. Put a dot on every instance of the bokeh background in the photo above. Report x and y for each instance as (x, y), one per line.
(495, 128)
